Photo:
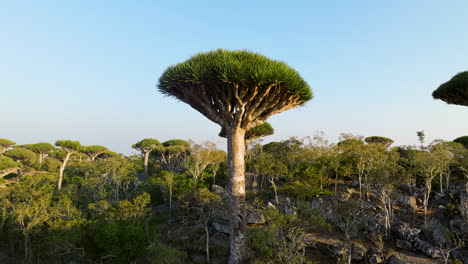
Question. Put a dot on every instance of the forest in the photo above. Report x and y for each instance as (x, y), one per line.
(360, 200)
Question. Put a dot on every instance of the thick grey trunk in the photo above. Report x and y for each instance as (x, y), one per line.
(62, 168)
(41, 158)
(236, 166)
(145, 164)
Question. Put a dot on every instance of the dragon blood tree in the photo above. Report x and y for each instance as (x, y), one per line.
(238, 90)
(455, 91)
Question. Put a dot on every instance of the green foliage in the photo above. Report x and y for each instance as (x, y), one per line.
(5, 143)
(455, 91)
(222, 67)
(303, 191)
(6, 163)
(162, 254)
(260, 241)
(25, 156)
(146, 145)
(69, 145)
(378, 140)
(126, 242)
(462, 140)
(41, 148)
(94, 150)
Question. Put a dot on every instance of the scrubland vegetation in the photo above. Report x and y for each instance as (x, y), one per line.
(308, 201)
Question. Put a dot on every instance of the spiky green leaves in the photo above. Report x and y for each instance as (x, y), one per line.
(231, 67)
(454, 91)
(5, 144)
(41, 148)
(235, 88)
(69, 146)
(25, 156)
(378, 140)
(94, 150)
(146, 145)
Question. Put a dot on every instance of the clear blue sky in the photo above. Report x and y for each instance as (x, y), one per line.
(87, 70)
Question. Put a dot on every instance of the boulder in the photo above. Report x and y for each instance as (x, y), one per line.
(404, 231)
(460, 254)
(403, 244)
(222, 228)
(459, 226)
(359, 252)
(219, 191)
(395, 260)
(407, 201)
(255, 217)
(437, 232)
(375, 256)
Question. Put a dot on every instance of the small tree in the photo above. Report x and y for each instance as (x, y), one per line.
(172, 154)
(5, 144)
(455, 91)
(69, 147)
(421, 138)
(94, 151)
(201, 156)
(23, 156)
(379, 140)
(145, 146)
(41, 149)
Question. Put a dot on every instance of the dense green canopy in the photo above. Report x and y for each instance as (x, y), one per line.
(25, 156)
(221, 83)
(69, 145)
(454, 91)
(462, 140)
(5, 143)
(259, 131)
(378, 140)
(41, 148)
(94, 150)
(146, 145)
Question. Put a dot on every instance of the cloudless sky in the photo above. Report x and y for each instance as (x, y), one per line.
(88, 70)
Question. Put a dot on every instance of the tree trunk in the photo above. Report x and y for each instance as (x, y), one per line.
(336, 182)
(62, 168)
(41, 158)
(207, 244)
(145, 164)
(236, 167)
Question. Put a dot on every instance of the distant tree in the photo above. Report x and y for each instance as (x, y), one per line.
(172, 154)
(455, 91)
(201, 156)
(238, 90)
(421, 137)
(379, 140)
(429, 166)
(145, 146)
(462, 140)
(5, 144)
(94, 151)
(7, 165)
(41, 149)
(69, 147)
(23, 156)
(107, 155)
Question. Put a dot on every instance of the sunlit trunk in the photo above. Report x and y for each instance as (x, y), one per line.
(145, 164)
(236, 167)
(62, 168)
